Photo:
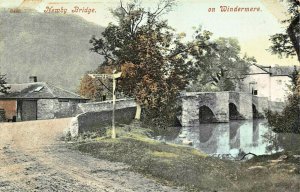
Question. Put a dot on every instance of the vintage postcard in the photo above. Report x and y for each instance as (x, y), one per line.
(149, 95)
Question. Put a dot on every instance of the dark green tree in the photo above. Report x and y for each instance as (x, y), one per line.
(289, 119)
(294, 76)
(3, 87)
(287, 44)
(219, 67)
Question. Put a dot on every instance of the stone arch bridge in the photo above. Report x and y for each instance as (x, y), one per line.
(218, 107)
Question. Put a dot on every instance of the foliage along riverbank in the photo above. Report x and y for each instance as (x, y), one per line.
(190, 168)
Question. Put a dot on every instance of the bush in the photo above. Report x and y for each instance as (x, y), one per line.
(289, 119)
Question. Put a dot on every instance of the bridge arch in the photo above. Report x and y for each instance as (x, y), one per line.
(256, 113)
(206, 115)
(234, 114)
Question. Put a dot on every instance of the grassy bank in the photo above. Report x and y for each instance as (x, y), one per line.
(184, 166)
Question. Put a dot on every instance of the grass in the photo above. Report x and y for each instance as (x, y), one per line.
(165, 155)
(183, 166)
(270, 173)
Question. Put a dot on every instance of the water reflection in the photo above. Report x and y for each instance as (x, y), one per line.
(228, 140)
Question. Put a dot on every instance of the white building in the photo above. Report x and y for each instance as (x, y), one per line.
(271, 82)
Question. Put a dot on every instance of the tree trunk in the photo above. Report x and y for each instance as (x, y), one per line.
(138, 111)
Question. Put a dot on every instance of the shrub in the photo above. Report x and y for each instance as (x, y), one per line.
(289, 119)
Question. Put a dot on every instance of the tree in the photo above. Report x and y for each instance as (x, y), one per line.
(289, 119)
(220, 67)
(3, 87)
(297, 90)
(150, 55)
(294, 77)
(287, 44)
(96, 89)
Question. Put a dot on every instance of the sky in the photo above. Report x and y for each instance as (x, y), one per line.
(252, 29)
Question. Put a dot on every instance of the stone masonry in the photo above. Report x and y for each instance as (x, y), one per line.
(95, 116)
(53, 108)
(218, 103)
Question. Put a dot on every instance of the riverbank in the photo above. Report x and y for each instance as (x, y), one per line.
(183, 166)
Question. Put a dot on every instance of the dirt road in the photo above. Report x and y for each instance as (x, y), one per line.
(33, 159)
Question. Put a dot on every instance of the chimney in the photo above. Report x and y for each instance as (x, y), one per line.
(33, 79)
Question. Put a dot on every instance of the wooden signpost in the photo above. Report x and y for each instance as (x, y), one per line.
(113, 76)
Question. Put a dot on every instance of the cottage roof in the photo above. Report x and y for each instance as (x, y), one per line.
(263, 68)
(283, 70)
(273, 71)
(38, 90)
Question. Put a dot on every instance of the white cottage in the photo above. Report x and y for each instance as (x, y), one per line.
(270, 82)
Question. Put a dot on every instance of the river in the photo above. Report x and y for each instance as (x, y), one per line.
(230, 140)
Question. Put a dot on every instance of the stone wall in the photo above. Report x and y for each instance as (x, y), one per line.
(46, 108)
(97, 121)
(95, 116)
(105, 105)
(53, 108)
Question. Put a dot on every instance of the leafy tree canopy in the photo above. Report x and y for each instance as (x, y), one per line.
(220, 66)
(287, 44)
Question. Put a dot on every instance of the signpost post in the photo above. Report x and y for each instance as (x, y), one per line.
(113, 76)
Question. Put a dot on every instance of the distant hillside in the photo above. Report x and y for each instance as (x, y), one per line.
(53, 47)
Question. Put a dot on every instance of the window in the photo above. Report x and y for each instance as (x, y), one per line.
(38, 89)
(254, 92)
